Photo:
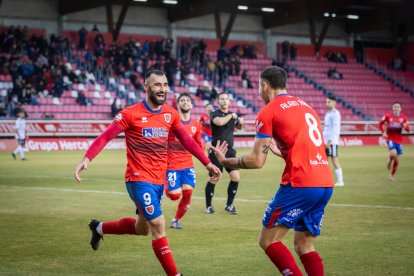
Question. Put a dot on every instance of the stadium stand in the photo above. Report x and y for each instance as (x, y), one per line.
(103, 71)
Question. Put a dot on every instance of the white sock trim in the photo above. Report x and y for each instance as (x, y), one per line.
(99, 229)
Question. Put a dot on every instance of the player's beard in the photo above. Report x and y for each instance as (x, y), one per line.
(153, 97)
(184, 111)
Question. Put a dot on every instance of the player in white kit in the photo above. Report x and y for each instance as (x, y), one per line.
(20, 127)
(331, 133)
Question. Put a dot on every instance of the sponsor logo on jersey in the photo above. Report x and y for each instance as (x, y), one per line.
(118, 117)
(154, 132)
(319, 160)
(193, 129)
(258, 126)
(167, 117)
(149, 209)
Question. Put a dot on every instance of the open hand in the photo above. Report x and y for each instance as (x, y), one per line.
(220, 150)
(274, 148)
(83, 165)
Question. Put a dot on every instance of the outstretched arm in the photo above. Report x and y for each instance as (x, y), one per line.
(253, 160)
(96, 147)
(192, 146)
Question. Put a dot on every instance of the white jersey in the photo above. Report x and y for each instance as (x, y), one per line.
(332, 127)
(20, 127)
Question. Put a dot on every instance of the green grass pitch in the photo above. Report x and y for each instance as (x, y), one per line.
(368, 227)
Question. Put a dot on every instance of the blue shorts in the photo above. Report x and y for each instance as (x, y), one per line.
(176, 178)
(206, 138)
(394, 146)
(298, 208)
(147, 198)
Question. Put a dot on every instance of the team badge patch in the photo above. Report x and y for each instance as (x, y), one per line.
(193, 129)
(172, 183)
(167, 117)
(149, 209)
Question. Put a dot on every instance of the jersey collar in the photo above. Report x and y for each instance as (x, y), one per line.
(186, 122)
(149, 108)
(284, 94)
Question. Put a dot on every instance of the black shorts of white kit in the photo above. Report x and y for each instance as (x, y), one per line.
(21, 142)
(332, 151)
(229, 154)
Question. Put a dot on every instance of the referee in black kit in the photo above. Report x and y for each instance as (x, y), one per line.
(223, 123)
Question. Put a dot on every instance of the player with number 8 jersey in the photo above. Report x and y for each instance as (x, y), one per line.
(291, 129)
(294, 124)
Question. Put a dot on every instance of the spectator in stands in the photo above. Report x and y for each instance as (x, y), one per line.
(334, 74)
(285, 50)
(237, 66)
(136, 83)
(95, 28)
(336, 57)
(396, 64)
(246, 80)
(83, 100)
(48, 116)
(206, 93)
(116, 106)
(184, 71)
(82, 38)
(293, 51)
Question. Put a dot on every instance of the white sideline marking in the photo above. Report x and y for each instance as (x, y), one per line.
(197, 197)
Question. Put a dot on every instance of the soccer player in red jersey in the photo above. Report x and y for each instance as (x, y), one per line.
(181, 177)
(395, 122)
(146, 125)
(205, 122)
(307, 182)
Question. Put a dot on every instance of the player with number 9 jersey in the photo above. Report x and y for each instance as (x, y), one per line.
(296, 128)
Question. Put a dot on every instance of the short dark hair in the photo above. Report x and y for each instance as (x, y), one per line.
(223, 93)
(156, 72)
(332, 98)
(397, 103)
(184, 95)
(275, 76)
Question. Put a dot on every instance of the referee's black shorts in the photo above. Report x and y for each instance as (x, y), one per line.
(332, 151)
(230, 153)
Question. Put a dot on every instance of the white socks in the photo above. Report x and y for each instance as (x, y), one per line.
(339, 178)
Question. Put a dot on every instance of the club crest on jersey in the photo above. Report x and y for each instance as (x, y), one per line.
(167, 117)
(149, 209)
(193, 129)
(144, 119)
(172, 183)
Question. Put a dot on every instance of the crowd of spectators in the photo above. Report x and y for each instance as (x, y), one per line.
(42, 67)
(337, 57)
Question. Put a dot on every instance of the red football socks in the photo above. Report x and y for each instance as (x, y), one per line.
(184, 204)
(313, 263)
(280, 255)
(164, 255)
(120, 227)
